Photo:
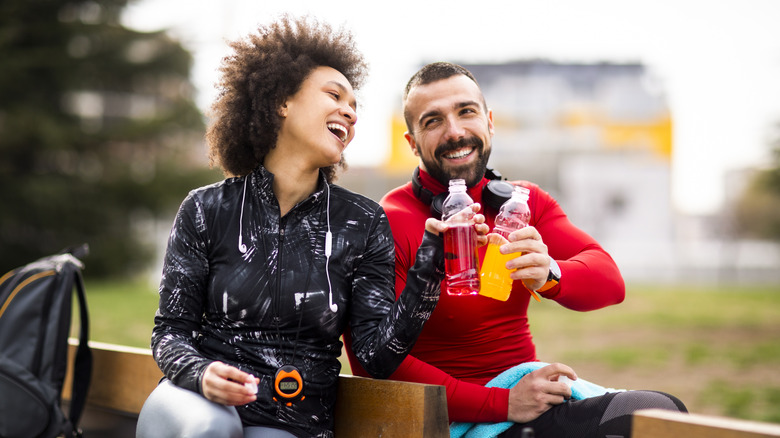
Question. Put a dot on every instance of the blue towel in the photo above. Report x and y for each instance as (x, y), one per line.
(580, 389)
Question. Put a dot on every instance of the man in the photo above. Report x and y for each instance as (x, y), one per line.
(470, 340)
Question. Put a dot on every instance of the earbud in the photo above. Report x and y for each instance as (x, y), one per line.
(328, 249)
(241, 246)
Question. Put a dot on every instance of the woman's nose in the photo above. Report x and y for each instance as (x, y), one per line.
(349, 113)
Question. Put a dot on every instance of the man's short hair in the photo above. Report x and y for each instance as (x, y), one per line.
(436, 71)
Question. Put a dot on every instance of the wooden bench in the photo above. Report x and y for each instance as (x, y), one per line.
(657, 423)
(123, 377)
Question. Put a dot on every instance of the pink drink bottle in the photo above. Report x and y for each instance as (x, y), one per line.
(461, 261)
(513, 215)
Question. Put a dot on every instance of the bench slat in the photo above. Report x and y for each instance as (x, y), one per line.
(658, 423)
(387, 408)
(122, 377)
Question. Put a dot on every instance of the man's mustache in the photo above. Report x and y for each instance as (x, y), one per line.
(453, 145)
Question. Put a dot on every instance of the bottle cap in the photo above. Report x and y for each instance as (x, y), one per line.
(457, 184)
(522, 192)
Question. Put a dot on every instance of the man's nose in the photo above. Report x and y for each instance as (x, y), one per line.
(455, 130)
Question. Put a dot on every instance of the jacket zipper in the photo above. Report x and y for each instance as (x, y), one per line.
(279, 263)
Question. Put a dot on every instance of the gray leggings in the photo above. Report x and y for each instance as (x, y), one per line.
(171, 412)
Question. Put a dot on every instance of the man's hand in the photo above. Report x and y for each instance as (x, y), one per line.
(532, 265)
(224, 384)
(538, 391)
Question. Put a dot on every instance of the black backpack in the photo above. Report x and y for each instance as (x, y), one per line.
(35, 322)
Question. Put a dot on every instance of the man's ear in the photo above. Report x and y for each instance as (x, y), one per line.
(491, 127)
(412, 144)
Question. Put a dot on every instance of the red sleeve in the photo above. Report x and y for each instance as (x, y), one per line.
(468, 402)
(590, 279)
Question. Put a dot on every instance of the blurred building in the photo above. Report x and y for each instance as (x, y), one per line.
(598, 137)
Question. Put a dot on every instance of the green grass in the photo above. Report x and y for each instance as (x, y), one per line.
(121, 313)
(717, 349)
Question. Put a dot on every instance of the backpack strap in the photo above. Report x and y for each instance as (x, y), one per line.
(82, 365)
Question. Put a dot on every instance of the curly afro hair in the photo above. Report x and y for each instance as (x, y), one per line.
(264, 70)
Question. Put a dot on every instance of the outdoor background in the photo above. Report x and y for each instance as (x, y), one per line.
(655, 124)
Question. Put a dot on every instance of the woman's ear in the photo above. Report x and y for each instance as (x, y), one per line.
(283, 110)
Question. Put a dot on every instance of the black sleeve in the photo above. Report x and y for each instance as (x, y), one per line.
(384, 329)
(182, 291)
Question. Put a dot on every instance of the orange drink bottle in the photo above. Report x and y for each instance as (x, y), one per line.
(514, 214)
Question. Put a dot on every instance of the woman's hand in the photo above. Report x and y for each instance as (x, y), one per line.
(225, 384)
(437, 227)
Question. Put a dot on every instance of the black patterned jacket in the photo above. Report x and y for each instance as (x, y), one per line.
(245, 308)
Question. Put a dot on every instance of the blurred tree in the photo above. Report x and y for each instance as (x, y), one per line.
(758, 212)
(99, 133)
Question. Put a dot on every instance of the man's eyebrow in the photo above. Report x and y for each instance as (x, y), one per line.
(344, 90)
(458, 105)
(431, 113)
(467, 103)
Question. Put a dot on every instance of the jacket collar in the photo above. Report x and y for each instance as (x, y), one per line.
(261, 180)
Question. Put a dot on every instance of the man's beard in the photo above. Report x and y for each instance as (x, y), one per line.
(472, 173)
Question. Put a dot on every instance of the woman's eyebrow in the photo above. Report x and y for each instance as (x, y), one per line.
(344, 90)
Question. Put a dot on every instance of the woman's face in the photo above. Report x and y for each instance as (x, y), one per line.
(319, 120)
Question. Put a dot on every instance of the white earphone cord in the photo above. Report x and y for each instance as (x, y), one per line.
(328, 242)
(328, 248)
(241, 246)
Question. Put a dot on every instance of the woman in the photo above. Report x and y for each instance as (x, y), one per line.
(265, 270)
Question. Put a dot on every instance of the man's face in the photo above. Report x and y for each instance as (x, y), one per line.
(451, 129)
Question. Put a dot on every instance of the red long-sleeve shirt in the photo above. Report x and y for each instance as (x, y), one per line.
(471, 339)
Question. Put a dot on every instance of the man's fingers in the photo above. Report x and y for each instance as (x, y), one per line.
(555, 389)
(553, 370)
(554, 399)
(528, 232)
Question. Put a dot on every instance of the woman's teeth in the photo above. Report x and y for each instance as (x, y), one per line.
(339, 130)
